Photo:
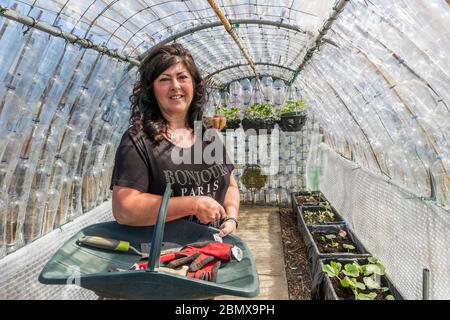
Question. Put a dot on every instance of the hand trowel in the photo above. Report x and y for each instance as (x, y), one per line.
(124, 246)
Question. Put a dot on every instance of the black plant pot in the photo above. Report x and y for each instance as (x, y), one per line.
(314, 255)
(323, 289)
(295, 203)
(258, 124)
(337, 217)
(291, 122)
(301, 222)
(233, 124)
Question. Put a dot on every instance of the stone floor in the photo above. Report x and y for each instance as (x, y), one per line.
(260, 228)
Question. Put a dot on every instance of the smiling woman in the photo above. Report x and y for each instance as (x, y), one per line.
(167, 103)
(174, 91)
(169, 94)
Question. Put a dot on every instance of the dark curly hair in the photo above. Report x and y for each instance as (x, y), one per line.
(145, 113)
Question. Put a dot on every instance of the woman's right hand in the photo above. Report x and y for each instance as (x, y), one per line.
(208, 210)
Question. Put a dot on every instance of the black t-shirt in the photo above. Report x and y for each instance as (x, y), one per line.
(201, 170)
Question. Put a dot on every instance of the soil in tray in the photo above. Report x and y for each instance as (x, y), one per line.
(319, 217)
(295, 257)
(308, 199)
(326, 246)
(347, 293)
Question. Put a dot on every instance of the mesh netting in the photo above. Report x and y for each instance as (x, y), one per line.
(405, 232)
(20, 270)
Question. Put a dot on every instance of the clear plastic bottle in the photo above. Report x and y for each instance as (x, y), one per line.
(36, 206)
(235, 93)
(75, 209)
(279, 92)
(246, 92)
(18, 193)
(267, 89)
(10, 45)
(54, 194)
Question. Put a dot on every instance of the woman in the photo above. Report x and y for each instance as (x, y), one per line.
(166, 103)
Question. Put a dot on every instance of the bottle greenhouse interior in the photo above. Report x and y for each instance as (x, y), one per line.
(346, 100)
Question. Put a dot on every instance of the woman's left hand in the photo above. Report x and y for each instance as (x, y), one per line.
(227, 227)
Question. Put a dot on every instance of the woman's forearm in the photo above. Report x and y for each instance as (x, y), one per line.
(232, 199)
(141, 209)
(231, 205)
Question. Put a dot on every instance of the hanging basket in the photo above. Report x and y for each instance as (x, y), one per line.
(258, 124)
(292, 122)
(233, 124)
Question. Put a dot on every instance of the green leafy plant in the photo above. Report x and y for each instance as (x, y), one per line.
(229, 113)
(290, 106)
(350, 275)
(308, 199)
(260, 117)
(260, 111)
(320, 216)
(314, 217)
(329, 241)
(327, 210)
(292, 116)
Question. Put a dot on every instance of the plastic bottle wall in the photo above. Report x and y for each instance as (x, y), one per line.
(381, 91)
(61, 119)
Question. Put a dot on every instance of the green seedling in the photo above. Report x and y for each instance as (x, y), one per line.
(308, 199)
(329, 240)
(260, 111)
(347, 277)
(291, 106)
(349, 247)
(229, 113)
(319, 216)
(328, 210)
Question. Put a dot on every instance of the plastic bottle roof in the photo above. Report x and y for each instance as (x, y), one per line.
(276, 33)
(377, 72)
